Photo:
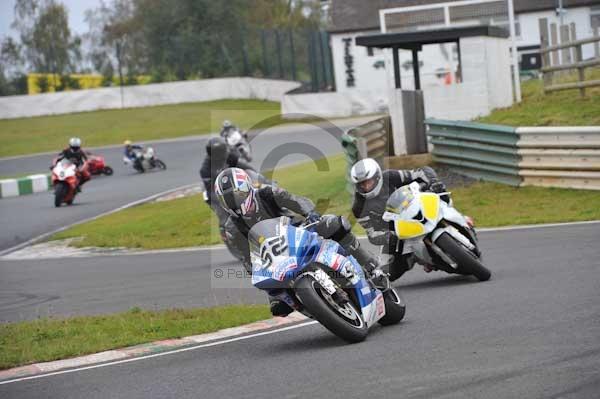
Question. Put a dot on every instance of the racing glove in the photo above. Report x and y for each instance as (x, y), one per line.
(437, 187)
(313, 217)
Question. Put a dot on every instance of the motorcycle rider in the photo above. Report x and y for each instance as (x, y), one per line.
(372, 190)
(75, 154)
(227, 126)
(130, 151)
(247, 205)
(218, 157)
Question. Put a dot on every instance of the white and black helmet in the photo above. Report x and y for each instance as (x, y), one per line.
(75, 143)
(367, 177)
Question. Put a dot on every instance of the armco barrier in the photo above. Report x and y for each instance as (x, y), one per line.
(372, 140)
(541, 156)
(26, 185)
(487, 152)
(560, 156)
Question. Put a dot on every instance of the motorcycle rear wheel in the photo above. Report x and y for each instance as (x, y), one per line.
(345, 321)
(467, 262)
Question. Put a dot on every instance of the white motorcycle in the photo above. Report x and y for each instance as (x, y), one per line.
(65, 181)
(145, 160)
(434, 232)
(239, 141)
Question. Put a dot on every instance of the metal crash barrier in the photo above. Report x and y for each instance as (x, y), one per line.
(566, 157)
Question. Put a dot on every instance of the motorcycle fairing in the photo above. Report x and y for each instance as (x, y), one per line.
(272, 270)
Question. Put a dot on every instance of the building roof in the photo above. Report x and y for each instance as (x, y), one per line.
(414, 40)
(362, 15)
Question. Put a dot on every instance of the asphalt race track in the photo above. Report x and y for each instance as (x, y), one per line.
(25, 217)
(532, 331)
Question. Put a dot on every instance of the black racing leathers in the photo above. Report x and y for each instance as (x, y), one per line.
(78, 157)
(369, 212)
(211, 167)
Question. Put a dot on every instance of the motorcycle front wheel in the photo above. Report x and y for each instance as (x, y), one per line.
(345, 320)
(395, 308)
(467, 262)
(60, 192)
(107, 170)
(160, 164)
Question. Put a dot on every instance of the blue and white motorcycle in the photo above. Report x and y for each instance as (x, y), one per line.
(314, 276)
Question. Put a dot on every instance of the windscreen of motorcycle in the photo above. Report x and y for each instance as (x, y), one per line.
(406, 207)
(267, 240)
(400, 200)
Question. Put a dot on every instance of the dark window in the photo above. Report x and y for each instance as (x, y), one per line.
(595, 17)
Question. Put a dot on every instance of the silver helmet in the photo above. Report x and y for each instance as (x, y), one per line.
(75, 143)
(367, 177)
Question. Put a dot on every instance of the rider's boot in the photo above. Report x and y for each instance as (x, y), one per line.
(366, 259)
(278, 306)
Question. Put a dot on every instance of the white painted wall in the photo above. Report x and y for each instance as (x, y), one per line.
(333, 104)
(433, 58)
(487, 84)
(367, 77)
(144, 96)
(530, 31)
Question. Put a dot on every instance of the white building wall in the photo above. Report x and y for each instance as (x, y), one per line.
(530, 31)
(433, 59)
(366, 75)
(499, 77)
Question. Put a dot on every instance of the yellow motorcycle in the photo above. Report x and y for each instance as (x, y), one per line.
(434, 233)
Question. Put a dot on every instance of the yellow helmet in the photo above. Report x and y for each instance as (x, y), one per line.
(127, 142)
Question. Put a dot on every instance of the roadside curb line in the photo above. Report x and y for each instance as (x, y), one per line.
(39, 369)
(36, 183)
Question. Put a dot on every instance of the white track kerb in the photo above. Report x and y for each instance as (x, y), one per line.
(26, 185)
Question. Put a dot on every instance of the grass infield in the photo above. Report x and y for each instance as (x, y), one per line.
(189, 222)
(52, 339)
(562, 108)
(96, 128)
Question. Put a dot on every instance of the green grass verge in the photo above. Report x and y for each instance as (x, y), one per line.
(96, 128)
(563, 108)
(189, 222)
(51, 339)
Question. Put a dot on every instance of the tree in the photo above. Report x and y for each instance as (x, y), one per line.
(11, 56)
(114, 39)
(186, 39)
(44, 29)
(11, 65)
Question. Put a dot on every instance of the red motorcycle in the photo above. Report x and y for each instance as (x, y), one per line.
(65, 179)
(97, 166)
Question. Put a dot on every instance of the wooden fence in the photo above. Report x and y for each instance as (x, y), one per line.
(565, 55)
